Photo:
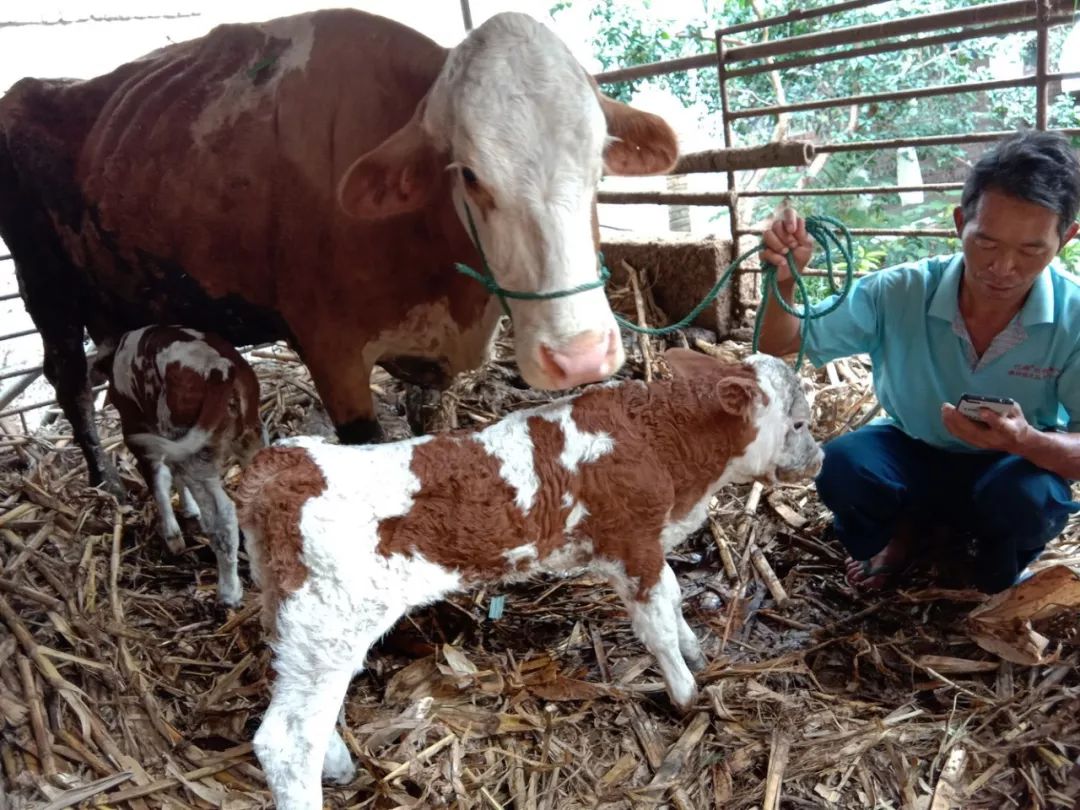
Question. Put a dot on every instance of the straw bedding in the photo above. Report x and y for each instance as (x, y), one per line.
(123, 684)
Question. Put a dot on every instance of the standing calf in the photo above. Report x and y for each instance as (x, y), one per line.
(188, 402)
(345, 540)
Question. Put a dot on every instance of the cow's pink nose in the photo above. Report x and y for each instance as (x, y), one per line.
(588, 357)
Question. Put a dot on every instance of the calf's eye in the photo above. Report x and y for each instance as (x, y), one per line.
(469, 176)
(799, 425)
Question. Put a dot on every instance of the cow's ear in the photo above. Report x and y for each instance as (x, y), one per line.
(399, 175)
(639, 142)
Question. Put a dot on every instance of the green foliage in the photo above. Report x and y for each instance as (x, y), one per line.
(633, 32)
(1070, 256)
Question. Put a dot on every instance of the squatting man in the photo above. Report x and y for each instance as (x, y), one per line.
(997, 319)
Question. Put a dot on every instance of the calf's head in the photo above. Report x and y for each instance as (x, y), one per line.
(525, 135)
(787, 451)
(783, 449)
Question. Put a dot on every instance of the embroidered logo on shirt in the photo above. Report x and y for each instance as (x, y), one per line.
(1033, 372)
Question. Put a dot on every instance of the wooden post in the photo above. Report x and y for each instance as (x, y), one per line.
(778, 153)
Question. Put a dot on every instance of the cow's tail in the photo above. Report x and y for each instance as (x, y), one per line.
(215, 406)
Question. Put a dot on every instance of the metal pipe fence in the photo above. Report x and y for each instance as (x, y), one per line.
(890, 47)
(20, 372)
(19, 334)
(992, 19)
(872, 98)
(721, 198)
(973, 22)
(1039, 15)
(925, 140)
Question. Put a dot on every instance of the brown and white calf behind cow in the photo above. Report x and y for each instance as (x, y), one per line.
(345, 540)
(188, 404)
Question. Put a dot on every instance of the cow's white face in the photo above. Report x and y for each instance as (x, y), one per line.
(525, 134)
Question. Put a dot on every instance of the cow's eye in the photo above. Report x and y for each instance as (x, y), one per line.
(799, 425)
(469, 176)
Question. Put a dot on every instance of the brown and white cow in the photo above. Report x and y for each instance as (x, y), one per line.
(188, 405)
(345, 540)
(306, 178)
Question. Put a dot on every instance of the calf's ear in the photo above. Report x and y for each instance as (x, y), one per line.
(688, 364)
(736, 395)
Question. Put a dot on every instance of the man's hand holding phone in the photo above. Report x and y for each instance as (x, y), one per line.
(987, 422)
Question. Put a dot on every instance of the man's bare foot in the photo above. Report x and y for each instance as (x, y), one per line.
(881, 569)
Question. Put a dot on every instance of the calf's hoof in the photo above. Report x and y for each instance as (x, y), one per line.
(230, 595)
(684, 700)
(338, 766)
(174, 542)
(696, 661)
(340, 773)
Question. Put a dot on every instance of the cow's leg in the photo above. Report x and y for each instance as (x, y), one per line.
(426, 409)
(343, 381)
(52, 300)
(66, 368)
(51, 287)
(159, 481)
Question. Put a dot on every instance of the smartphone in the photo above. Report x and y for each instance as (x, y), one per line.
(970, 405)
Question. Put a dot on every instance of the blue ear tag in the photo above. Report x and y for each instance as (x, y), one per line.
(495, 607)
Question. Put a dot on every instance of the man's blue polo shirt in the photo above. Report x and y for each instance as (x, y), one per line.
(907, 319)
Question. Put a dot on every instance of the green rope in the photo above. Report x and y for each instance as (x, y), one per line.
(493, 287)
(828, 232)
(821, 228)
(487, 278)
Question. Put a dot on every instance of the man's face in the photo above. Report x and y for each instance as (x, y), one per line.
(1006, 245)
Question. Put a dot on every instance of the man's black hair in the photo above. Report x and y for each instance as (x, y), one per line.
(1040, 167)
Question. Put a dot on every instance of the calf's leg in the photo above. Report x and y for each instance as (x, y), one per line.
(656, 624)
(688, 642)
(296, 740)
(159, 479)
(219, 515)
(316, 655)
(337, 764)
(188, 507)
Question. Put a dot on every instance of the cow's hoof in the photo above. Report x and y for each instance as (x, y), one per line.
(108, 481)
(359, 431)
